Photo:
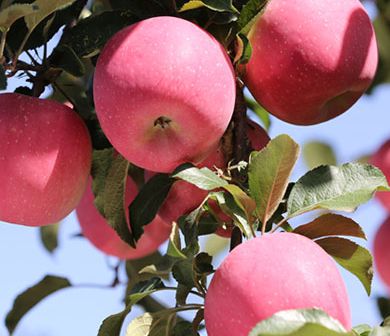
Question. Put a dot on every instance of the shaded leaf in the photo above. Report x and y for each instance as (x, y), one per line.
(65, 58)
(307, 322)
(182, 272)
(247, 204)
(317, 154)
(49, 236)
(203, 178)
(352, 257)
(331, 225)
(145, 206)
(249, 14)
(269, 173)
(215, 5)
(3, 78)
(87, 38)
(384, 306)
(341, 188)
(32, 296)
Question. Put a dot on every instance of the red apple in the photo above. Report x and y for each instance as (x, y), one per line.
(164, 91)
(268, 274)
(45, 152)
(382, 251)
(96, 229)
(381, 159)
(185, 197)
(311, 60)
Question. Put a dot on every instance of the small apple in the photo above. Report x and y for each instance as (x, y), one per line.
(164, 92)
(381, 159)
(382, 251)
(268, 274)
(96, 229)
(185, 197)
(311, 60)
(45, 151)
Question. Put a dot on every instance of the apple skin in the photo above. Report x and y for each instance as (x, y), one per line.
(96, 229)
(184, 197)
(164, 92)
(382, 252)
(45, 150)
(311, 60)
(268, 274)
(381, 159)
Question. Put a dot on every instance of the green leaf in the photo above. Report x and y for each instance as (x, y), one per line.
(352, 257)
(174, 246)
(152, 324)
(269, 173)
(32, 296)
(161, 268)
(14, 12)
(87, 37)
(184, 328)
(317, 154)
(49, 236)
(229, 206)
(65, 58)
(260, 112)
(3, 78)
(215, 244)
(362, 329)
(45, 9)
(145, 206)
(243, 50)
(307, 322)
(335, 188)
(249, 14)
(331, 225)
(203, 178)
(215, 5)
(109, 172)
(247, 204)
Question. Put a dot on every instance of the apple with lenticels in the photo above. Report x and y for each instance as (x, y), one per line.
(268, 274)
(311, 60)
(46, 152)
(96, 229)
(164, 92)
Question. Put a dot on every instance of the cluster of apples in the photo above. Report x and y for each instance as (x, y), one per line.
(164, 92)
(381, 159)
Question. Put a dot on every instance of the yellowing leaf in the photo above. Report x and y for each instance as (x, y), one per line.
(14, 12)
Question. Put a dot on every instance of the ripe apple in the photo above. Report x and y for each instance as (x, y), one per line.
(381, 159)
(268, 274)
(311, 60)
(45, 150)
(96, 229)
(185, 197)
(382, 251)
(164, 92)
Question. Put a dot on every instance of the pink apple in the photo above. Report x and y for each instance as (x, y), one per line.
(96, 229)
(164, 92)
(381, 159)
(45, 151)
(382, 252)
(185, 197)
(268, 274)
(312, 59)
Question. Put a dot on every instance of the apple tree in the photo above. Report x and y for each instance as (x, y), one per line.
(135, 114)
